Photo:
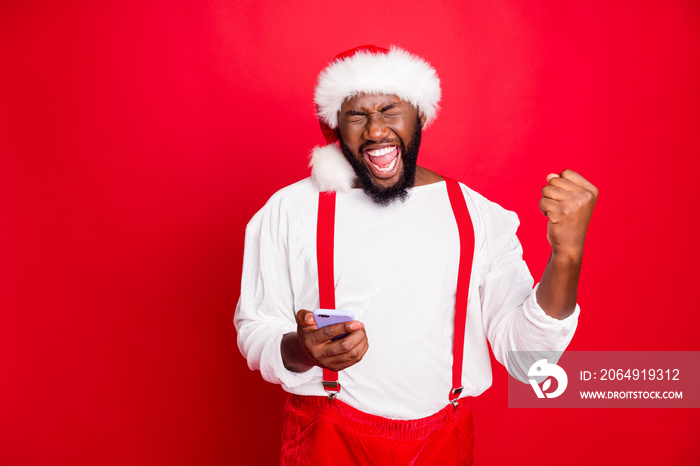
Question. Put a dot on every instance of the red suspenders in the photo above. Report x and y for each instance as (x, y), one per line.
(325, 230)
(466, 255)
(326, 285)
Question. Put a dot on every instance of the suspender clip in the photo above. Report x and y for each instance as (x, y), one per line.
(454, 395)
(455, 392)
(332, 388)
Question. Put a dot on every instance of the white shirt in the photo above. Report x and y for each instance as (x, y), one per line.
(396, 270)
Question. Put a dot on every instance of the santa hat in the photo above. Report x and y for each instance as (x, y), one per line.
(367, 69)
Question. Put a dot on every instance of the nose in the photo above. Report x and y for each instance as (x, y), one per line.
(376, 128)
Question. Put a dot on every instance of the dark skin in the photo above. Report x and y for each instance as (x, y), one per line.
(567, 200)
(372, 122)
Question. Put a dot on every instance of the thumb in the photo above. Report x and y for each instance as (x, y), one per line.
(305, 318)
(551, 176)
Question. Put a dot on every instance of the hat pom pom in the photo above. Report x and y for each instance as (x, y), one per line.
(330, 171)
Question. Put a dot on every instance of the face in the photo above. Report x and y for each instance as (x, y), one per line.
(380, 137)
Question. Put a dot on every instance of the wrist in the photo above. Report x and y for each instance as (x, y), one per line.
(294, 355)
(571, 257)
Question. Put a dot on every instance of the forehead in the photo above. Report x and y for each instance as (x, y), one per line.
(371, 101)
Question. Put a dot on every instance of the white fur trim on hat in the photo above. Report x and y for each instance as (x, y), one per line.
(397, 72)
(330, 171)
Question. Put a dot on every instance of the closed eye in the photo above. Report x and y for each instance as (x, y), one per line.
(355, 116)
(390, 106)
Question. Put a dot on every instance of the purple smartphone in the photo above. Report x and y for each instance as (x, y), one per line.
(324, 317)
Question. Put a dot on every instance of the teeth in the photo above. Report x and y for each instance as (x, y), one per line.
(387, 168)
(380, 152)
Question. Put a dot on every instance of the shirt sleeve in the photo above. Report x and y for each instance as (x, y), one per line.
(265, 310)
(512, 318)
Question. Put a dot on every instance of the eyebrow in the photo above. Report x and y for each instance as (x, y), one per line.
(389, 107)
(354, 112)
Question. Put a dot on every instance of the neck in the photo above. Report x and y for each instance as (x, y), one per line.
(425, 176)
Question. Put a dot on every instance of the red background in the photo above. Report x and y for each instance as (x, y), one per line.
(137, 139)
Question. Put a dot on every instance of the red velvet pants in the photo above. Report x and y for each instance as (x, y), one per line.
(319, 431)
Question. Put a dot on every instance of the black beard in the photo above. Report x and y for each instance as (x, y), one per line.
(399, 191)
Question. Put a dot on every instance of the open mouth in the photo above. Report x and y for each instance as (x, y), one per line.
(384, 160)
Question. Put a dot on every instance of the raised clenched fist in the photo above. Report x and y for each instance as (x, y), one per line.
(568, 200)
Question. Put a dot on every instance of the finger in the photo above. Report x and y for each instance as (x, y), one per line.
(353, 325)
(553, 192)
(548, 206)
(346, 344)
(564, 184)
(551, 176)
(578, 179)
(305, 318)
(568, 189)
(353, 357)
(347, 357)
(330, 332)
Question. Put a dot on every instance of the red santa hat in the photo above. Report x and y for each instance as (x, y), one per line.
(367, 69)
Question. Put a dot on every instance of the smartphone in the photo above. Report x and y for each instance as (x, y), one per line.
(324, 317)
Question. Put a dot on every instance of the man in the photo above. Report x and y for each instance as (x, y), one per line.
(430, 269)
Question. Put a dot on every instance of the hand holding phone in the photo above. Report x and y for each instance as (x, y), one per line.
(316, 343)
(325, 317)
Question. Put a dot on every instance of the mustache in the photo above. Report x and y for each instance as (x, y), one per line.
(381, 141)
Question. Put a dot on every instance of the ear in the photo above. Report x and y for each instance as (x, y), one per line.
(422, 118)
